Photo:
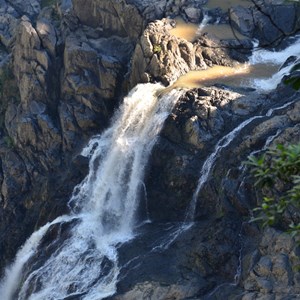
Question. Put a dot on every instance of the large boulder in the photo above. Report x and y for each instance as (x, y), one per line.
(267, 21)
(161, 56)
(31, 8)
(187, 260)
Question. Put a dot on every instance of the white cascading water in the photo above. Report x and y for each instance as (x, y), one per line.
(264, 56)
(206, 19)
(258, 57)
(209, 163)
(105, 205)
(13, 273)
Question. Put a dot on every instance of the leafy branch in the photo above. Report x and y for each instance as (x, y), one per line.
(277, 175)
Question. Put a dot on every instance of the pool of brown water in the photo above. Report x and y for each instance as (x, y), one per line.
(222, 31)
(190, 31)
(187, 31)
(239, 75)
(210, 76)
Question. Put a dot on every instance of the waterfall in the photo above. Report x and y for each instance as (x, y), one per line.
(263, 56)
(105, 204)
(13, 273)
(206, 19)
(209, 162)
(258, 57)
(275, 57)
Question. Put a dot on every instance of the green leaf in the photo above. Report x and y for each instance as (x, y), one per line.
(280, 165)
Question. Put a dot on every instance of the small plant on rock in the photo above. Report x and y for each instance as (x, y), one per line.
(157, 48)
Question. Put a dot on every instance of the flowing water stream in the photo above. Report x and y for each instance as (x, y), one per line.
(191, 31)
(104, 205)
(259, 57)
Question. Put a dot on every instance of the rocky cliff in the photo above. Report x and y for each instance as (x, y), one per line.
(65, 66)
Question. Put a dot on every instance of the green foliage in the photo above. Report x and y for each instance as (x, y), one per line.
(294, 79)
(157, 48)
(277, 173)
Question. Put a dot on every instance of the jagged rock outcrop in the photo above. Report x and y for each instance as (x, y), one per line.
(161, 56)
(63, 70)
(112, 17)
(59, 85)
(223, 204)
(272, 270)
(128, 18)
(9, 21)
(268, 21)
(190, 261)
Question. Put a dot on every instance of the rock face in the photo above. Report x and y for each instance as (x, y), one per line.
(112, 17)
(59, 85)
(271, 271)
(224, 255)
(128, 18)
(160, 56)
(64, 69)
(269, 22)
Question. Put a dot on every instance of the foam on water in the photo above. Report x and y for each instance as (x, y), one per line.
(273, 58)
(86, 263)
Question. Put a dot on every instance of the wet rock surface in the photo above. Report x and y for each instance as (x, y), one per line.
(64, 69)
(222, 255)
(59, 85)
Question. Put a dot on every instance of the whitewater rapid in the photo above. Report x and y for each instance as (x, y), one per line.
(104, 207)
(261, 56)
(274, 58)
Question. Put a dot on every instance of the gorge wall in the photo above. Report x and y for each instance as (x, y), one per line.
(64, 70)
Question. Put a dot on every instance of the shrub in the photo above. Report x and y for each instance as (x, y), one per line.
(277, 173)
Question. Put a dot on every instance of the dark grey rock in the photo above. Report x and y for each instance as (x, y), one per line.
(267, 21)
(71, 71)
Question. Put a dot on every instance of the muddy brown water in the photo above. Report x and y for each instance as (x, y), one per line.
(239, 75)
(187, 31)
(190, 31)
